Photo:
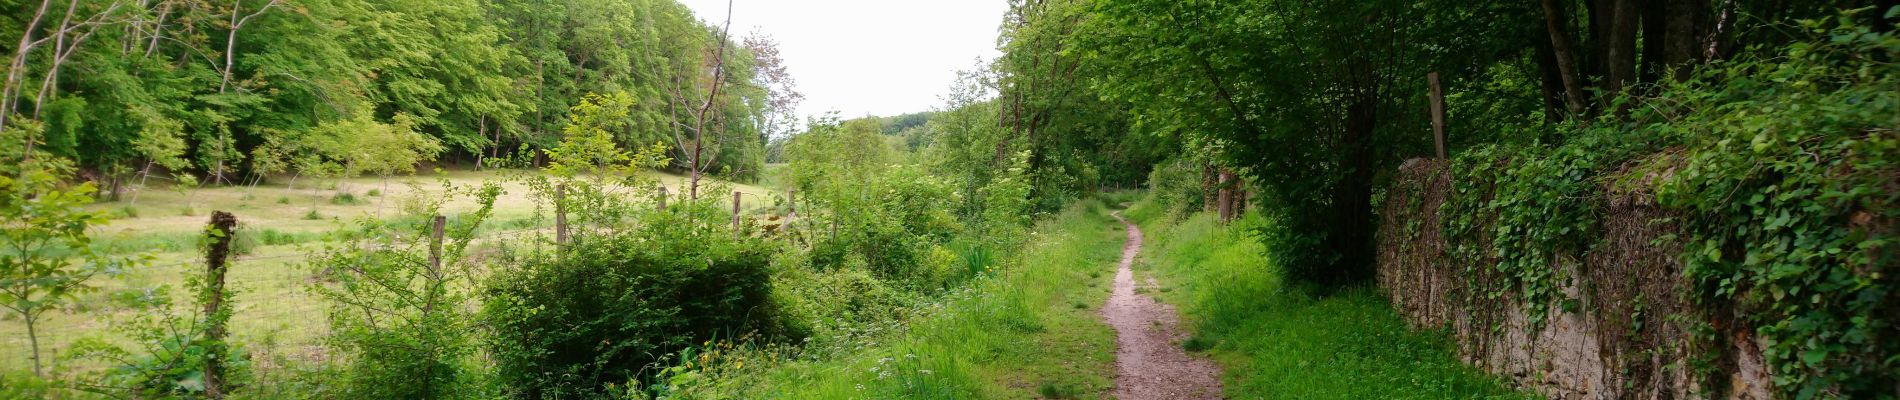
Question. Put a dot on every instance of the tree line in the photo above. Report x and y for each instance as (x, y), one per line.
(238, 91)
(1313, 101)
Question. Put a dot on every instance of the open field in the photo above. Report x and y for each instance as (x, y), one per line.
(272, 303)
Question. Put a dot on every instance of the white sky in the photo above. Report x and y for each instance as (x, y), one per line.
(877, 57)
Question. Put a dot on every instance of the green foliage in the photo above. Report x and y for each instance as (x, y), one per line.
(1006, 332)
(1782, 169)
(1290, 95)
(875, 212)
(587, 146)
(607, 308)
(1790, 186)
(46, 254)
(168, 357)
(403, 317)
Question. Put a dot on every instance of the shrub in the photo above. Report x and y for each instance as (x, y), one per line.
(397, 309)
(608, 307)
(343, 198)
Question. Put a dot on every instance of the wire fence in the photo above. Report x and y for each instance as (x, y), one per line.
(271, 304)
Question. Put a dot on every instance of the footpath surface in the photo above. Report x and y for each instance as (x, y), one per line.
(1149, 360)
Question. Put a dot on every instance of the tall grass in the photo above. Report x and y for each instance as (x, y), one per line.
(1275, 342)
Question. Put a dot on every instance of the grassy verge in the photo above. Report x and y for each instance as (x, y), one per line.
(1027, 330)
(1272, 342)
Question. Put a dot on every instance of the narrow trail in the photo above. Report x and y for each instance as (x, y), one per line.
(1149, 361)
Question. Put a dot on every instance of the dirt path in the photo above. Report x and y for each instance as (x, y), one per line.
(1149, 361)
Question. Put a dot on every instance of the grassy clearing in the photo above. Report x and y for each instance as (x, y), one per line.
(274, 315)
(1273, 342)
(1029, 329)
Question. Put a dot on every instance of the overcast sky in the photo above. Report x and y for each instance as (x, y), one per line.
(878, 57)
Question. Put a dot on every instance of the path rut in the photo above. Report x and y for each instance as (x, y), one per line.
(1149, 361)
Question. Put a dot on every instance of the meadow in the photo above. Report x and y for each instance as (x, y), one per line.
(279, 228)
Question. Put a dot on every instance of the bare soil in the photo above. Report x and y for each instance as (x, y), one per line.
(1149, 360)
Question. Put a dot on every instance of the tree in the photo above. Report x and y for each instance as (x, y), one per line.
(48, 257)
(699, 97)
(778, 115)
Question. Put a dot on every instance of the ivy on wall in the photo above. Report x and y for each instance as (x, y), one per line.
(1786, 168)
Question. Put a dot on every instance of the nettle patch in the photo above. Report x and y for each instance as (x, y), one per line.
(1785, 170)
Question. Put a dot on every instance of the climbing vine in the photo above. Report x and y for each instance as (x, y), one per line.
(1786, 169)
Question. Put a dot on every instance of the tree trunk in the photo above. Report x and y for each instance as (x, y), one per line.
(1564, 52)
(16, 71)
(158, 29)
(33, 340)
(1225, 199)
(1682, 35)
(143, 174)
(59, 51)
(1619, 50)
(1352, 238)
(1209, 183)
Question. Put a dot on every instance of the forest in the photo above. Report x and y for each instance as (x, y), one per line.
(621, 199)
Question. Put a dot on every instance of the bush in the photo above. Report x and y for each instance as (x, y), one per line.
(343, 198)
(600, 314)
(396, 304)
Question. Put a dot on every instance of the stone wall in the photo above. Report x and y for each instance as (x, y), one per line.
(1621, 335)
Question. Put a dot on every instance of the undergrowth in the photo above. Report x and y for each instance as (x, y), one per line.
(1012, 332)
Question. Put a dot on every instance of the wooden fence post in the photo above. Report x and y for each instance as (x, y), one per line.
(435, 244)
(1438, 114)
(223, 228)
(663, 196)
(735, 210)
(791, 207)
(560, 214)
(1226, 196)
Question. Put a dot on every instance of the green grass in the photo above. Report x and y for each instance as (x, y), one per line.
(1273, 342)
(1016, 334)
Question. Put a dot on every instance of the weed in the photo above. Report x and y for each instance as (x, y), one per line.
(312, 215)
(374, 193)
(128, 212)
(343, 198)
(283, 199)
